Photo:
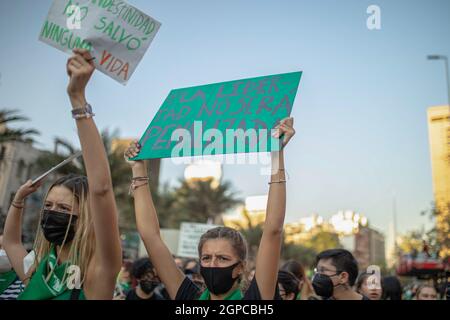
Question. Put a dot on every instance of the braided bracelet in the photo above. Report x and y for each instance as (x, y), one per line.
(134, 186)
(19, 206)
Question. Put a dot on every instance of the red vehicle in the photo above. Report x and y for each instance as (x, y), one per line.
(422, 266)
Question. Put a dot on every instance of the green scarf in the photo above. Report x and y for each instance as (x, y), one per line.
(234, 295)
(7, 279)
(53, 289)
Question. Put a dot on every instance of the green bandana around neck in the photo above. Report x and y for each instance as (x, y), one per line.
(55, 287)
(234, 295)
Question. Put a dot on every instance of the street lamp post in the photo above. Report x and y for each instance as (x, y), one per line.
(441, 57)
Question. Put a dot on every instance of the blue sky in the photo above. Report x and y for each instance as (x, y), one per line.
(360, 111)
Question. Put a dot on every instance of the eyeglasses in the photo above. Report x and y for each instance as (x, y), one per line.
(323, 270)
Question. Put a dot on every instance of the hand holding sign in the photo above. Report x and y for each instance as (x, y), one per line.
(132, 151)
(26, 189)
(285, 130)
(79, 68)
(114, 32)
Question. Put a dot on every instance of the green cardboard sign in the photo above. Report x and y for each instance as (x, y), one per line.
(221, 118)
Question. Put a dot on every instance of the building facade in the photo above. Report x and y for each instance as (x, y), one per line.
(439, 139)
(17, 165)
(369, 248)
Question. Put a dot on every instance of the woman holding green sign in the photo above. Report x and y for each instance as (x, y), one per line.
(77, 252)
(222, 250)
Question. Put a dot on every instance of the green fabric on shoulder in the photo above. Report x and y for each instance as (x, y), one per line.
(39, 288)
(6, 279)
(234, 295)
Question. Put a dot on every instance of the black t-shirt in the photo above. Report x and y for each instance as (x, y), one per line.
(189, 291)
(131, 295)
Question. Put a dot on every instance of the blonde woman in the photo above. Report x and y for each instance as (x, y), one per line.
(77, 247)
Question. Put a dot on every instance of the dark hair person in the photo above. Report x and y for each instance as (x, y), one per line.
(222, 251)
(335, 274)
(392, 288)
(288, 285)
(369, 286)
(145, 274)
(78, 221)
(304, 285)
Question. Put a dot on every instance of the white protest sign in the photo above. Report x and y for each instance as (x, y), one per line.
(116, 33)
(190, 234)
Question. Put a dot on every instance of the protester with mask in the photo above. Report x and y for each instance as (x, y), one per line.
(77, 241)
(191, 266)
(179, 262)
(288, 285)
(426, 292)
(124, 280)
(147, 281)
(369, 285)
(335, 274)
(304, 284)
(192, 271)
(10, 284)
(222, 251)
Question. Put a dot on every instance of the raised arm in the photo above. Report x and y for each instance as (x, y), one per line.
(12, 237)
(148, 227)
(270, 245)
(102, 273)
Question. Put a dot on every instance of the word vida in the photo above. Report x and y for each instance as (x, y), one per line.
(114, 65)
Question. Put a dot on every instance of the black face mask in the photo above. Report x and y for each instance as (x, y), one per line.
(54, 225)
(323, 286)
(218, 280)
(148, 286)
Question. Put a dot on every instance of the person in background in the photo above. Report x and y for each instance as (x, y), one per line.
(392, 289)
(190, 266)
(369, 286)
(178, 261)
(251, 275)
(192, 271)
(447, 290)
(147, 281)
(124, 280)
(304, 284)
(10, 284)
(426, 292)
(335, 274)
(288, 284)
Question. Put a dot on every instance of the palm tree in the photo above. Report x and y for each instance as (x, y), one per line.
(7, 134)
(49, 159)
(200, 201)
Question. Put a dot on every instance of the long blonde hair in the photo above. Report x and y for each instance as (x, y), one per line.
(82, 247)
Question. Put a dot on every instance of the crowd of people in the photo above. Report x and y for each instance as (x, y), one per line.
(139, 280)
(77, 252)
